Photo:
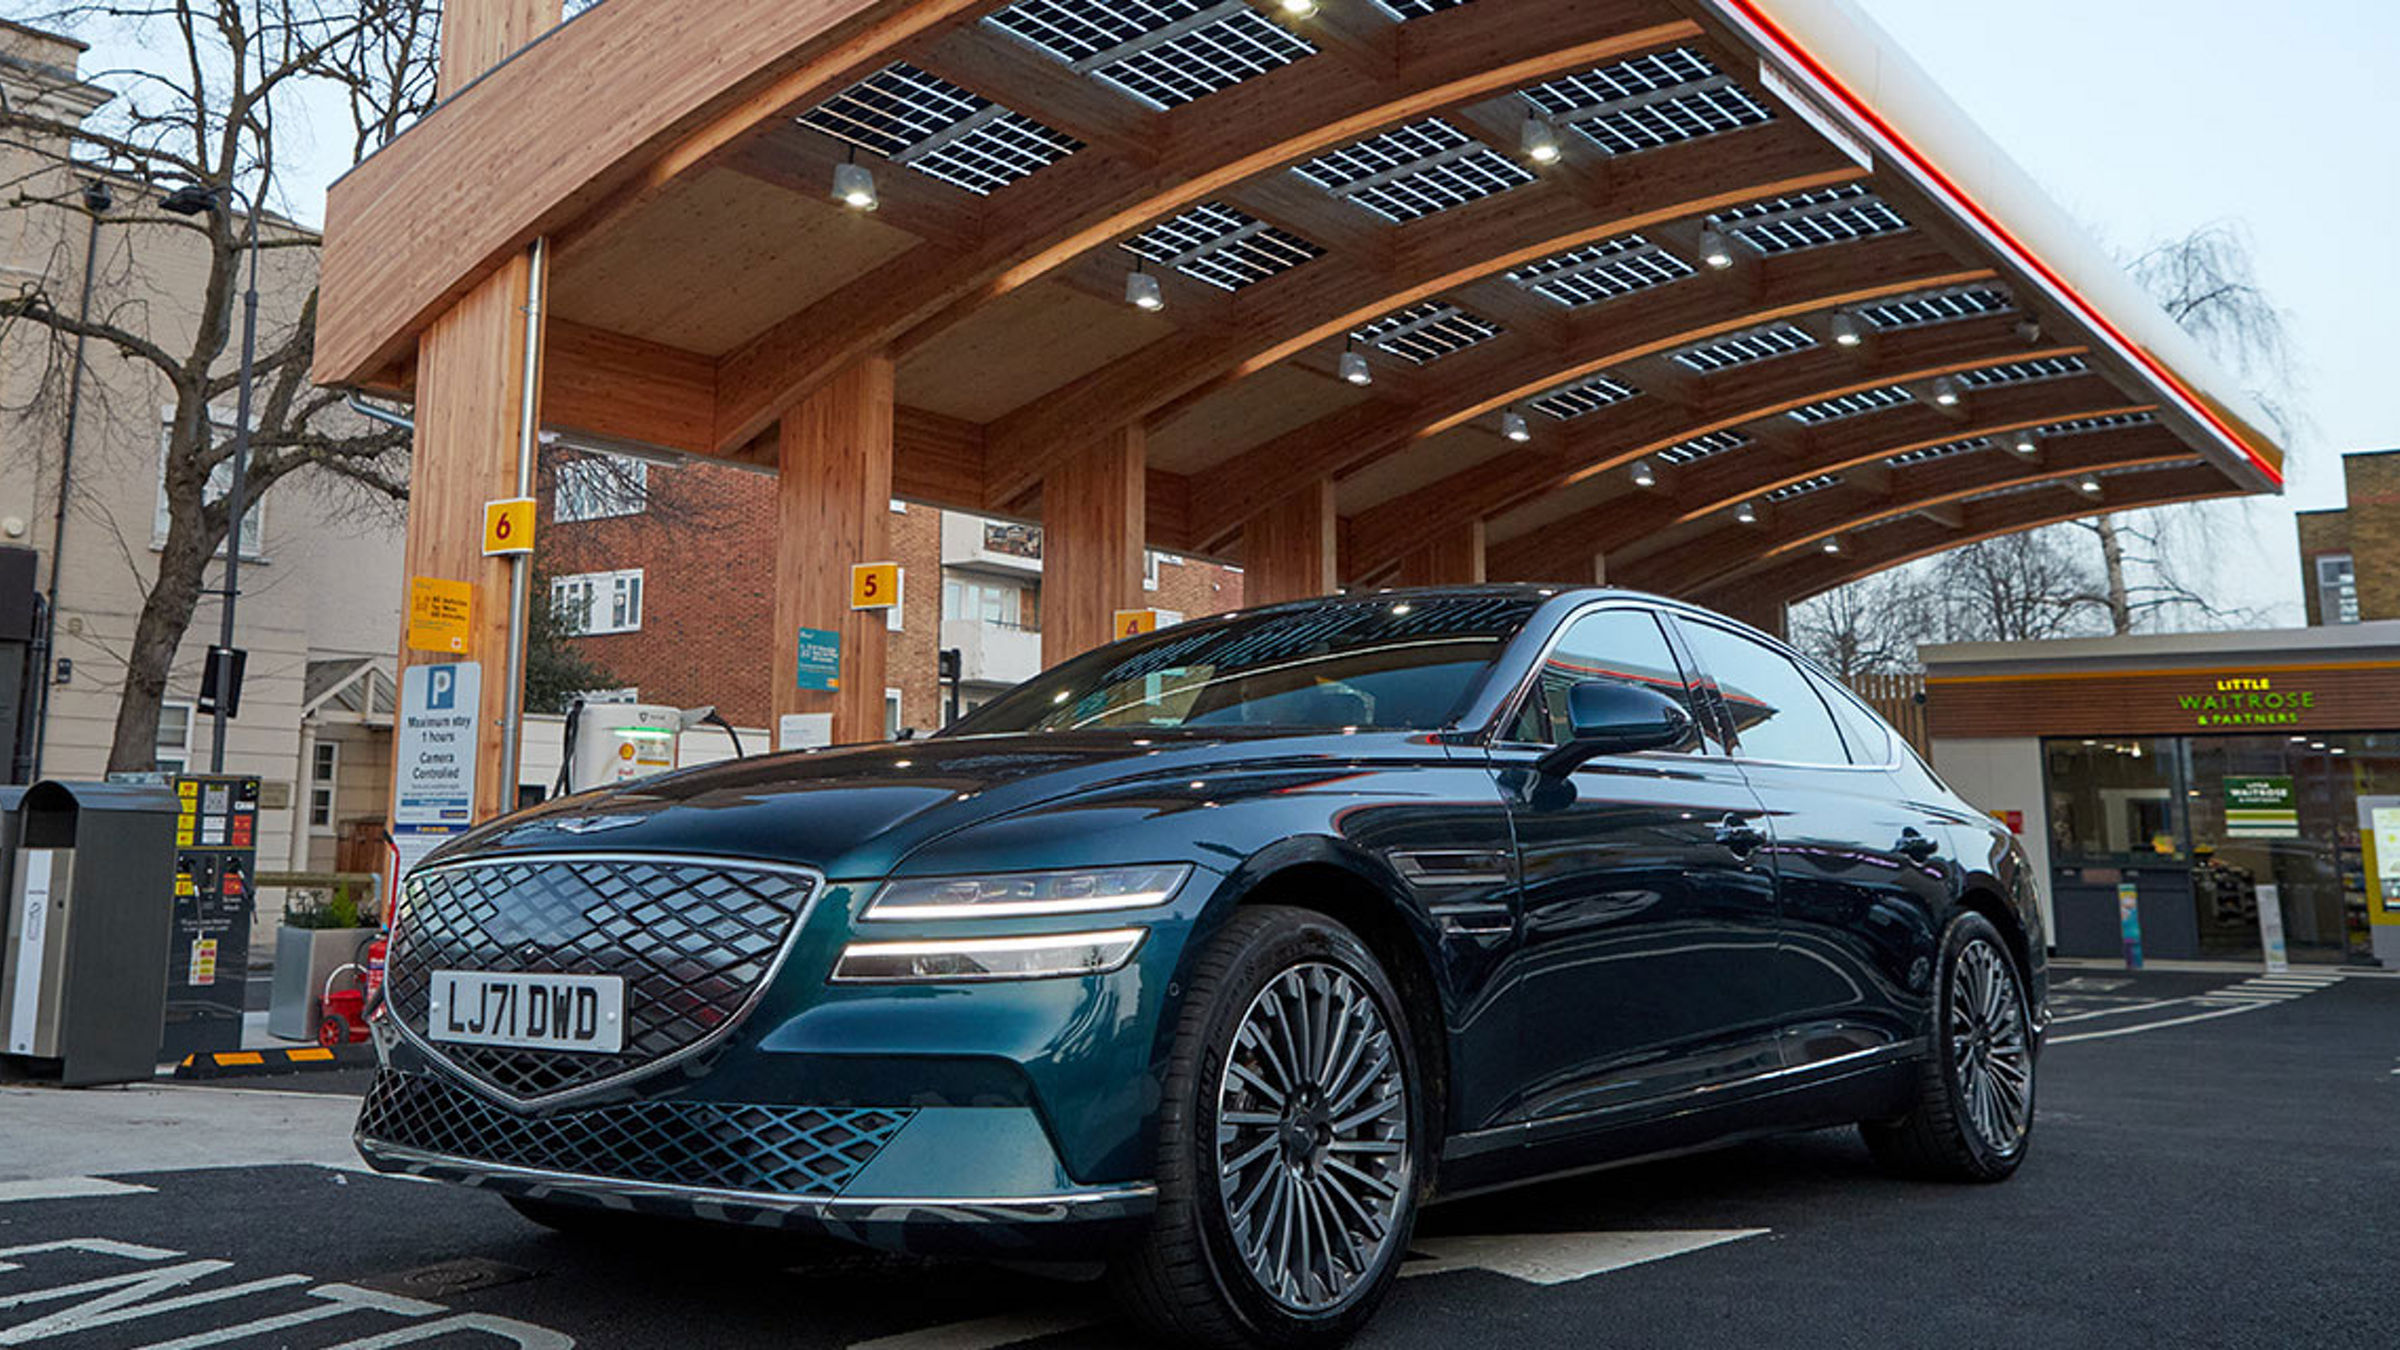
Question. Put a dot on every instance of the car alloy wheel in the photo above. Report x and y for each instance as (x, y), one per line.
(1312, 1145)
(1989, 1051)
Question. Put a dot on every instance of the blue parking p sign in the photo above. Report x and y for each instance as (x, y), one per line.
(820, 660)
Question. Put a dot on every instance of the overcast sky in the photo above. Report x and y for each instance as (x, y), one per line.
(2149, 118)
(2145, 119)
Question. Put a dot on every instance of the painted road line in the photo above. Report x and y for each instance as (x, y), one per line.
(2157, 1026)
(1562, 1258)
(68, 1188)
(983, 1333)
(2117, 1012)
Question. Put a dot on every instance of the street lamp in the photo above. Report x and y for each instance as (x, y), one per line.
(193, 199)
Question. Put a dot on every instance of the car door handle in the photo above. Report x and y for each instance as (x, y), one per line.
(1918, 846)
(1739, 837)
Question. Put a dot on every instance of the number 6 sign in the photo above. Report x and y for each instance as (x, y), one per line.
(874, 585)
(508, 527)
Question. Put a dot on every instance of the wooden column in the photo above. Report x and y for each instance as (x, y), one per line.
(1093, 533)
(1288, 550)
(1452, 558)
(470, 387)
(834, 509)
(1599, 569)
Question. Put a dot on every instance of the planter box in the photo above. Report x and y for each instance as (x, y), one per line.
(304, 958)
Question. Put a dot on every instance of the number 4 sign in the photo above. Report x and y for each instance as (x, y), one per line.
(874, 585)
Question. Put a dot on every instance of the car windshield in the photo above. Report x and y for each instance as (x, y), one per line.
(1390, 663)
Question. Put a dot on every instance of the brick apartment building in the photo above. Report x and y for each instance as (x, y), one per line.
(668, 573)
(2350, 555)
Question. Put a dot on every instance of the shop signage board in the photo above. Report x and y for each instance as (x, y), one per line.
(2261, 807)
(2254, 700)
(441, 613)
(2379, 822)
(2129, 922)
(2270, 927)
(820, 663)
(2234, 701)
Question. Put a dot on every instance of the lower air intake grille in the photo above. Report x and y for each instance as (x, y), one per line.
(775, 1150)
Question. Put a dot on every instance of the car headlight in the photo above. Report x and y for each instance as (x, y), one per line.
(1005, 895)
(1018, 958)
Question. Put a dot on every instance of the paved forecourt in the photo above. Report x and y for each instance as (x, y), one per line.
(2197, 1132)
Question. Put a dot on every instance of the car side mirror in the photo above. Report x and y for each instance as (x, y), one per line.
(1608, 717)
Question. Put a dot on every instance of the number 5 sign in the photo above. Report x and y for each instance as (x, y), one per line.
(508, 527)
(874, 585)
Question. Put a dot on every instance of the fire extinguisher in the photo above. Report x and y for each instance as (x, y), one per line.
(375, 954)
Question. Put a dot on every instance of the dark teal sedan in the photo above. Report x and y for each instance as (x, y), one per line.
(1210, 956)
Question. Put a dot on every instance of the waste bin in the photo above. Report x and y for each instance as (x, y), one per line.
(91, 889)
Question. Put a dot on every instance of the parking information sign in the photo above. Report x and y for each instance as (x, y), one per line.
(820, 663)
(435, 746)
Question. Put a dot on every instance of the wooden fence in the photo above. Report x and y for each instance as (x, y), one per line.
(1900, 697)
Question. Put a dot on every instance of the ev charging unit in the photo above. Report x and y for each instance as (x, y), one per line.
(620, 742)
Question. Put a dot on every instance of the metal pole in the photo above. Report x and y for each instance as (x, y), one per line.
(234, 494)
(46, 641)
(520, 566)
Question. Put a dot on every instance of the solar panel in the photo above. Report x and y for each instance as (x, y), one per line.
(1701, 447)
(2079, 425)
(1927, 454)
(1809, 219)
(1653, 100)
(1405, 10)
(935, 127)
(1743, 348)
(1415, 171)
(1602, 271)
(1851, 405)
(1584, 397)
(1226, 248)
(1427, 332)
(1913, 311)
(1804, 487)
(1163, 52)
(2024, 372)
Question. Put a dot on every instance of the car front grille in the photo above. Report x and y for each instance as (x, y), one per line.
(692, 939)
(773, 1150)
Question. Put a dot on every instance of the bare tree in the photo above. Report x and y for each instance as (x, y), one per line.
(1870, 625)
(2015, 588)
(207, 118)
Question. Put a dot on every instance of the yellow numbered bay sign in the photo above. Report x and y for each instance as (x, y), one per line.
(508, 527)
(874, 585)
(1135, 622)
(440, 613)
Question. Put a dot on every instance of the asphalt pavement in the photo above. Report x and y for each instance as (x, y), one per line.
(2216, 1163)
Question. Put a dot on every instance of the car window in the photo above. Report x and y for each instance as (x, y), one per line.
(1867, 734)
(1776, 713)
(1613, 644)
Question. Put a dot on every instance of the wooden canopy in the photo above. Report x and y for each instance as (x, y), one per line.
(1718, 297)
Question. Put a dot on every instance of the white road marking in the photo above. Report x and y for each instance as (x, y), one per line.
(983, 1333)
(68, 1188)
(2117, 1012)
(2227, 1011)
(1562, 1258)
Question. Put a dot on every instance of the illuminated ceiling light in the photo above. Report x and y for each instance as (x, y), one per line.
(1541, 141)
(2027, 442)
(1833, 544)
(1846, 332)
(2089, 487)
(2029, 330)
(854, 184)
(1142, 292)
(1716, 250)
(1645, 474)
(1355, 368)
(1298, 9)
(1945, 392)
(1512, 425)
(1746, 513)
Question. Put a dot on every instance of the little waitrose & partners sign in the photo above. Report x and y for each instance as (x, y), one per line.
(2248, 701)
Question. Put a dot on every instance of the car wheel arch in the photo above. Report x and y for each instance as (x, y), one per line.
(1985, 898)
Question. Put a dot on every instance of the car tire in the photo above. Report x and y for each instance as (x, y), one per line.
(1196, 1276)
(1972, 1118)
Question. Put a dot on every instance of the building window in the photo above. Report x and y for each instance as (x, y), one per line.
(325, 766)
(984, 601)
(891, 714)
(601, 487)
(2337, 589)
(220, 482)
(591, 603)
(174, 750)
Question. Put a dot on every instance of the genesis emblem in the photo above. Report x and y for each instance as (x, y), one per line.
(595, 824)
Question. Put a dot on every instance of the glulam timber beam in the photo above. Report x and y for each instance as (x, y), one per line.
(1910, 538)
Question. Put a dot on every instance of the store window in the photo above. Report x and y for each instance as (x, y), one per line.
(2337, 588)
(174, 744)
(592, 603)
(601, 487)
(2115, 800)
(324, 769)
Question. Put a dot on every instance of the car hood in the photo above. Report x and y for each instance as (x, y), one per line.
(856, 811)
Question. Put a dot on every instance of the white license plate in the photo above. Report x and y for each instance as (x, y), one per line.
(537, 1012)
